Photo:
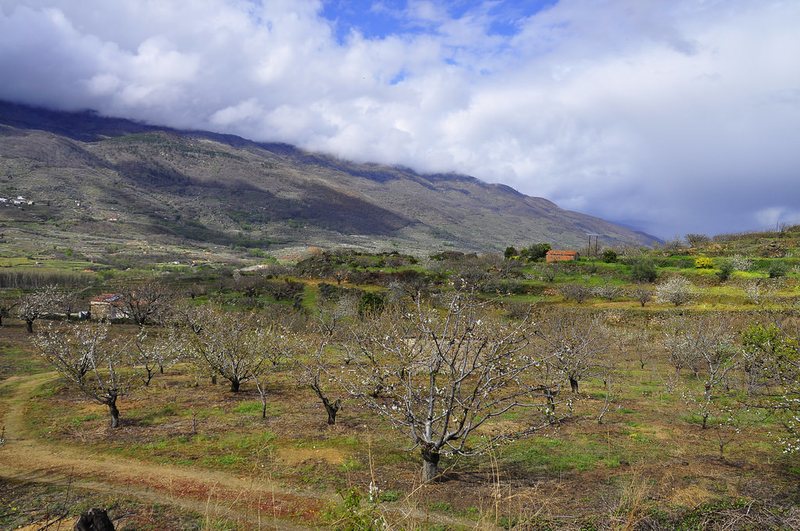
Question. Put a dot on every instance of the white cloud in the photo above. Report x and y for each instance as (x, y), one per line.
(676, 115)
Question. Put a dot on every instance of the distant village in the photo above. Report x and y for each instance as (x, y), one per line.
(17, 201)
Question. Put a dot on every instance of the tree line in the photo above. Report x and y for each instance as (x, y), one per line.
(440, 366)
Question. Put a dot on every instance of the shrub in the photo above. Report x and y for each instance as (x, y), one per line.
(644, 271)
(609, 256)
(370, 303)
(328, 292)
(284, 290)
(535, 252)
(704, 262)
(726, 269)
(777, 269)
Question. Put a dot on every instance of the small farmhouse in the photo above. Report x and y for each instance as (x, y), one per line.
(106, 306)
(561, 256)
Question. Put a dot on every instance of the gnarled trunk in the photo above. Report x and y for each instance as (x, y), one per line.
(234, 385)
(332, 409)
(94, 520)
(573, 383)
(430, 464)
(112, 409)
(29, 326)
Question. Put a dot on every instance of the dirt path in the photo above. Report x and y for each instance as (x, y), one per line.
(213, 494)
(251, 502)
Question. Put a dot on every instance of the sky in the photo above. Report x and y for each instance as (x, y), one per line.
(669, 116)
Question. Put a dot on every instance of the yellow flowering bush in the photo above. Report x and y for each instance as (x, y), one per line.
(704, 262)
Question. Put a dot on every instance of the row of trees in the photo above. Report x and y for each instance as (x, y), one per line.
(146, 302)
(441, 370)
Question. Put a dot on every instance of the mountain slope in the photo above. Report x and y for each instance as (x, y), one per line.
(101, 176)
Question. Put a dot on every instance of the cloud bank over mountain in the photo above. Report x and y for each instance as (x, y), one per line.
(674, 116)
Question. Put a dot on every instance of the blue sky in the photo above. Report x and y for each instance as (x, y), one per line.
(378, 20)
(672, 116)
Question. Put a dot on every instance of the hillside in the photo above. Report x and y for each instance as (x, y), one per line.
(94, 181)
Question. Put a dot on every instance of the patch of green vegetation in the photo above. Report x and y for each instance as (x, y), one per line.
(223, 461)
(75, 421)
(158, 416)
(250, 407)
(559, 455)
(350, 464)
(390, 495)
(231, 451)
(19, 361)
(707, 514)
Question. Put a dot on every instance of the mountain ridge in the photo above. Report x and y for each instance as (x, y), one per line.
(214, 188)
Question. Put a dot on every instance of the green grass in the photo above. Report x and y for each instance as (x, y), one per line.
(152, 418)
(249, 407)
(559, 455)
(236, 450)
(19, 361)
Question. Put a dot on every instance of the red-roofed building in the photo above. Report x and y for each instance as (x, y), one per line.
(561, 256)
(106, 306)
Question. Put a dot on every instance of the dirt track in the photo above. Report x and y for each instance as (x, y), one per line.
(213, 494)
(251, 503)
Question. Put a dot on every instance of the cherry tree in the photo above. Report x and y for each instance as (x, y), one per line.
(677, 290)
(149, 301)
(706, 343)
(772, 357)
(446, 373)
(36, 304)
(575, 340)
(151, 352)
(236, 345)
(91, 361)
(312, 366)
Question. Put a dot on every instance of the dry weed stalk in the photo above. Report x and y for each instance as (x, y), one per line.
(631, 507)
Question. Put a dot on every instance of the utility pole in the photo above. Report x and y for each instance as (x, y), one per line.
(596, 243)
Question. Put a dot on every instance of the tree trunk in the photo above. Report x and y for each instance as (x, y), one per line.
(94, 520)
(332, 410)
(430, 464)
(29, 325)
(234, 385)
(573, 383)
(112, 408)
(550, 395)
